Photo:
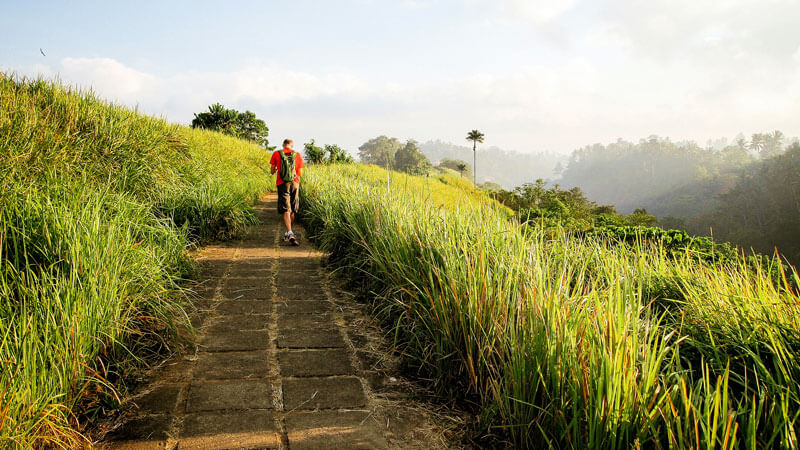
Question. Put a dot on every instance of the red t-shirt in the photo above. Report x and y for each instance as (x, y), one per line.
(276, 161)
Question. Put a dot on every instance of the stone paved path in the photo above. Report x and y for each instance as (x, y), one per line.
(273, 366)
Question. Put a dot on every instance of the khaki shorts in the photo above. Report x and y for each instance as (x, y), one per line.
(288, 197)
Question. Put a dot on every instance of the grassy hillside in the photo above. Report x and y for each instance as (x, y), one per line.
(97, 207)
(566, 341)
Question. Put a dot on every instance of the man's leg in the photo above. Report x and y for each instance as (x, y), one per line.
(292, 219)
(288, 218)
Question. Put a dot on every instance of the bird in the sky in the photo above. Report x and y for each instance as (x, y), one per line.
(41, 51)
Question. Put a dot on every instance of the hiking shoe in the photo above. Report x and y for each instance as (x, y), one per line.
(286, 237)
(293, 240)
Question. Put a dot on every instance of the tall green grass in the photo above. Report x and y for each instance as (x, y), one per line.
(98, 205)
(566, 341)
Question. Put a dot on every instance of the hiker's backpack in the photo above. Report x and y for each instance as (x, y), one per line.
(288, 171)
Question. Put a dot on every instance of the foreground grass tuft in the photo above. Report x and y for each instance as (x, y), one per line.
(566, 341)
(98, 205)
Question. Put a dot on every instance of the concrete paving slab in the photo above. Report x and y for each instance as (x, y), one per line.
(323, 393)
(238, 322)
(238, 340)
(229, 394)
(142, 432)
(231, 365)
(313, 307)
(334, 429)
(160, 399)
(299, 338)
(238, 307)
(315, 363)
(218, 430)
(305, 321)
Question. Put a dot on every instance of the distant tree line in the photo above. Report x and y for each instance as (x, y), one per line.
(746, 192)
(550, 206)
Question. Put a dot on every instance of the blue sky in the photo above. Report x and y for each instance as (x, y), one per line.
(533, 75)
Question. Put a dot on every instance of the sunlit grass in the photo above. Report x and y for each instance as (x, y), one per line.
(565, 342)
(98, 205)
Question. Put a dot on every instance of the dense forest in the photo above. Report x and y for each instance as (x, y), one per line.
(747, 193)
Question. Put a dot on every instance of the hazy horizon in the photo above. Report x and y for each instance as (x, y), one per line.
(533, 76)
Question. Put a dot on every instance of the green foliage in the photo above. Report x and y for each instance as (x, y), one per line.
(667, 178)
(724, 191)
(563, 340)
(462, 167)
(313, 154)
(98, 205)
(337, 155)
(767, 144)
(762, 210)
(390, 153)
(475, 136)
(379, 151)
(244, 125)
(317, 155)
(409, 159)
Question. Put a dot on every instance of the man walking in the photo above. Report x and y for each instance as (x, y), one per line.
(289, 166)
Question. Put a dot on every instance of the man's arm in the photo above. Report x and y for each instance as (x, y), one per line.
(273, 165)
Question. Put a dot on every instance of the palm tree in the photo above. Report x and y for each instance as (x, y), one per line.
(462, 166)
(475, 136)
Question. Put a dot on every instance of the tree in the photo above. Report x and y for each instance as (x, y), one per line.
(462, 166)
(767, 144)
(313, 154)
(380, 151)
(229, 121)
(475, 136)
(491, 187)
(337, 154)
(456, 164)
(218, 118)
(249, 127)
(410, 160)
(317, 155)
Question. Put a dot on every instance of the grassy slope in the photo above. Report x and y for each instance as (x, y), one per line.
(97, 207)
(563, 341)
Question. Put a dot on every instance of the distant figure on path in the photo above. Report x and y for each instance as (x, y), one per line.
(289, 166)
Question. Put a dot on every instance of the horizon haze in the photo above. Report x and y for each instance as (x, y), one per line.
(534, 76)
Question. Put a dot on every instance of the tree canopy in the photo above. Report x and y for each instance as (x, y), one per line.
(243, 125)
(330, 154)
(313, 154)
(379, 151)
(410, 160)
(391, 153)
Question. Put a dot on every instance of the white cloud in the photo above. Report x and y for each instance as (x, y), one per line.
(536, 11)
(110, 79)
(684, 69)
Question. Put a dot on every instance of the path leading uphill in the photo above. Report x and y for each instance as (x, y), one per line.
(275, 366)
